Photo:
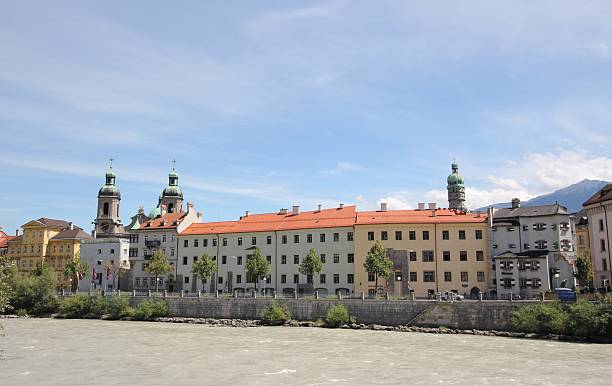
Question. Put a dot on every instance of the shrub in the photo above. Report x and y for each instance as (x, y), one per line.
(21, 312)
(74, 307)
(34, 293)
(276, 315)
(337, 315)
(543, 318)
(151, 309)
(584, 320)
(119, 307)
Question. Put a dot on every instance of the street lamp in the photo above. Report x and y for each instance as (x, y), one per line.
(556, 278)
(265, 279)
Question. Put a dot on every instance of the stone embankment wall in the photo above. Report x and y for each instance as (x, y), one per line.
(484, 315)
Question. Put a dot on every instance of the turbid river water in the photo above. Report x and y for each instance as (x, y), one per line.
(92, 352)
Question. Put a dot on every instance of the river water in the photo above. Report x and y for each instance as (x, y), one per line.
(94, 352)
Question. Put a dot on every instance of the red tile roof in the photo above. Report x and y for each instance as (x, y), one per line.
(167, 221)
(4, 241)
(442, 216)
(269, 222)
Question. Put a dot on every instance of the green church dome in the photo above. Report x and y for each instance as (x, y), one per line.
(109, 190)
(455, 178)
(156, 212)
(172, 191)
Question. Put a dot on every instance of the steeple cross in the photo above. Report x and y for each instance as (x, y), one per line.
(173, 164)
(111, 162)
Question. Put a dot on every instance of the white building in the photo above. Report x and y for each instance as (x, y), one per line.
(108, 264)
(285, 238)
(545, 229)
(599, 213)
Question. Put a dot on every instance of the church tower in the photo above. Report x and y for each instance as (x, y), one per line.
(108, 222)
(456, 189)
(172, 196)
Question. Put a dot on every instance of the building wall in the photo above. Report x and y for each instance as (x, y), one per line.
(100, 253)
(146, 243)
(438, 245)
(600, 223)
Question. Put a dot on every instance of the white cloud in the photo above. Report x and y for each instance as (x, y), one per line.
(341, 168)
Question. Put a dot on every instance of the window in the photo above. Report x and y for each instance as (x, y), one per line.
(205, 243)
(412, 235)
(268, 240)
(479, 256)
(269, 258)
(541, 244)
(604, 264)
(526, 246)
(478, 234)
(239, 260)
(214, 242)
(186, 279)
(510, 229)
(284, 239)
(196, 242)
(336, 278)
(185, 243)
(602, 244)
(446, 255)
(296, 279)
(384, 235)
(105, 210)
(351, 258)
(322, 278)
(309, 238)
(323, 258)
(462, 255)
(225, 241)
(253, 240)
(296, 239)
(413, 256)
(494, 246)
(428, 256)
(425, 235)
(284, 259)
(539, 226)
(238, 279)
(398, 235)
(296, 259)
(322, 237)
(526, 228)
(336, 237)
(350, 278)
(349, 236)
(464, 276)
(133, 252)
(413, 276)
(371, 277)
(445, 235)
(370, 236)
(164, 238)
(480, 276)
(336, 258)
(283, 279)
(448, 276)
(220, 281)
(184, 260)
(133, 238)
(223, 259)
(195, 259)
(239, 241)
(429, 276)
(601, 225)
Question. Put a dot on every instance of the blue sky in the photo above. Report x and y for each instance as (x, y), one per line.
(269, 104)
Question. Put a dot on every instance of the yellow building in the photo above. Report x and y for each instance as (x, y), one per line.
(54, 242)
(583, 243)
(433, 251)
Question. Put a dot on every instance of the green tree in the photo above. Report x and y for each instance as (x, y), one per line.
(158, 266)
(584, 270)
(34, 293)
(311, 265)
(5, 287)
(377, 263)
(257, 266)
(204, 268)
(76, 269)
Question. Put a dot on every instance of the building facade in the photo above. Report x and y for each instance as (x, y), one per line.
(524, 274)
(599, 215)
(545, 229)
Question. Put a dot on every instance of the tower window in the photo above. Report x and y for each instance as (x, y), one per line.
(105, 209)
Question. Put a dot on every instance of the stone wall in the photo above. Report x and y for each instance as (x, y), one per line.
(485, 315)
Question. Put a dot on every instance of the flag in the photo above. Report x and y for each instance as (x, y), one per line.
(93, 274)
(80, 274)
(108, 273)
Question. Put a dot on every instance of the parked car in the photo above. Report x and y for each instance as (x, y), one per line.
(451, 296)
(565, 294)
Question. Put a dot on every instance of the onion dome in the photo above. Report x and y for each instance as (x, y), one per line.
(172, 190)
(156, 212)
(455, 178)
(109, 188)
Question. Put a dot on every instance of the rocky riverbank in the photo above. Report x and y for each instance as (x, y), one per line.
(376, 327)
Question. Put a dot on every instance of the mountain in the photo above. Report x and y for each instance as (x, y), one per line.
(571, 196)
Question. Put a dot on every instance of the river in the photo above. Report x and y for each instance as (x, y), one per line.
(94, 352)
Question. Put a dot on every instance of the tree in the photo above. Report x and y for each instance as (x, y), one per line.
(377, 263)
(204, 268)
(584, 270)
(158, 266)
(257, 266)
(5, 288)
(311, 265)
(34, 293)
(76, 269)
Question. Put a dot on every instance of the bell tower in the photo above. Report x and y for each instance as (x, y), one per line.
(172, 196)
(456, 189)
(108, 222)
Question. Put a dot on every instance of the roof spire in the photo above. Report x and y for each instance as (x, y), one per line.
(110, 166)
(173, 164)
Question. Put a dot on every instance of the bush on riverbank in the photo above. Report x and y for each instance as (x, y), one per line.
(337, 316)
(582, 319)
(276, 315)
(83, 307)
(33, 294)
(151, 309)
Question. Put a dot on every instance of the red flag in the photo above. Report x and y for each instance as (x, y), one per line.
(80, 275)
(108, 273)
(93, 274)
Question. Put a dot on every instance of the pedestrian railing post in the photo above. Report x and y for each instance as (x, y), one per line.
(317, 295)
(149, 293)
(134, 293)
(362, 295)
(182, 293)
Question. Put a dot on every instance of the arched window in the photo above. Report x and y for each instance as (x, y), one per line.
(170, 208)
(105, 210)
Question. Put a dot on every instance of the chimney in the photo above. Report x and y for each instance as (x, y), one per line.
(340, 205)
(431, 206)
(295, 209)
(421, 206)
(246, 213)
(71, 226)
(283, 211)
(490, 213)
(319, 207)
(16, 232)
(383, 206)
(516, 203)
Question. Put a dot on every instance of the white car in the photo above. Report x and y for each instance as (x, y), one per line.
(451, 296)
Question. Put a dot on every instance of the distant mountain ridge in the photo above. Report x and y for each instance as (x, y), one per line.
(571, 196)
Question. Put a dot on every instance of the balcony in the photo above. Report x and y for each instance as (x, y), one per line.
(152, 243)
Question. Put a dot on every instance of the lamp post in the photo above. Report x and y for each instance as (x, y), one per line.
(556, 278)
(265, 279)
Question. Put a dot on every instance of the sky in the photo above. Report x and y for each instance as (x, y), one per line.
(269, 104)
